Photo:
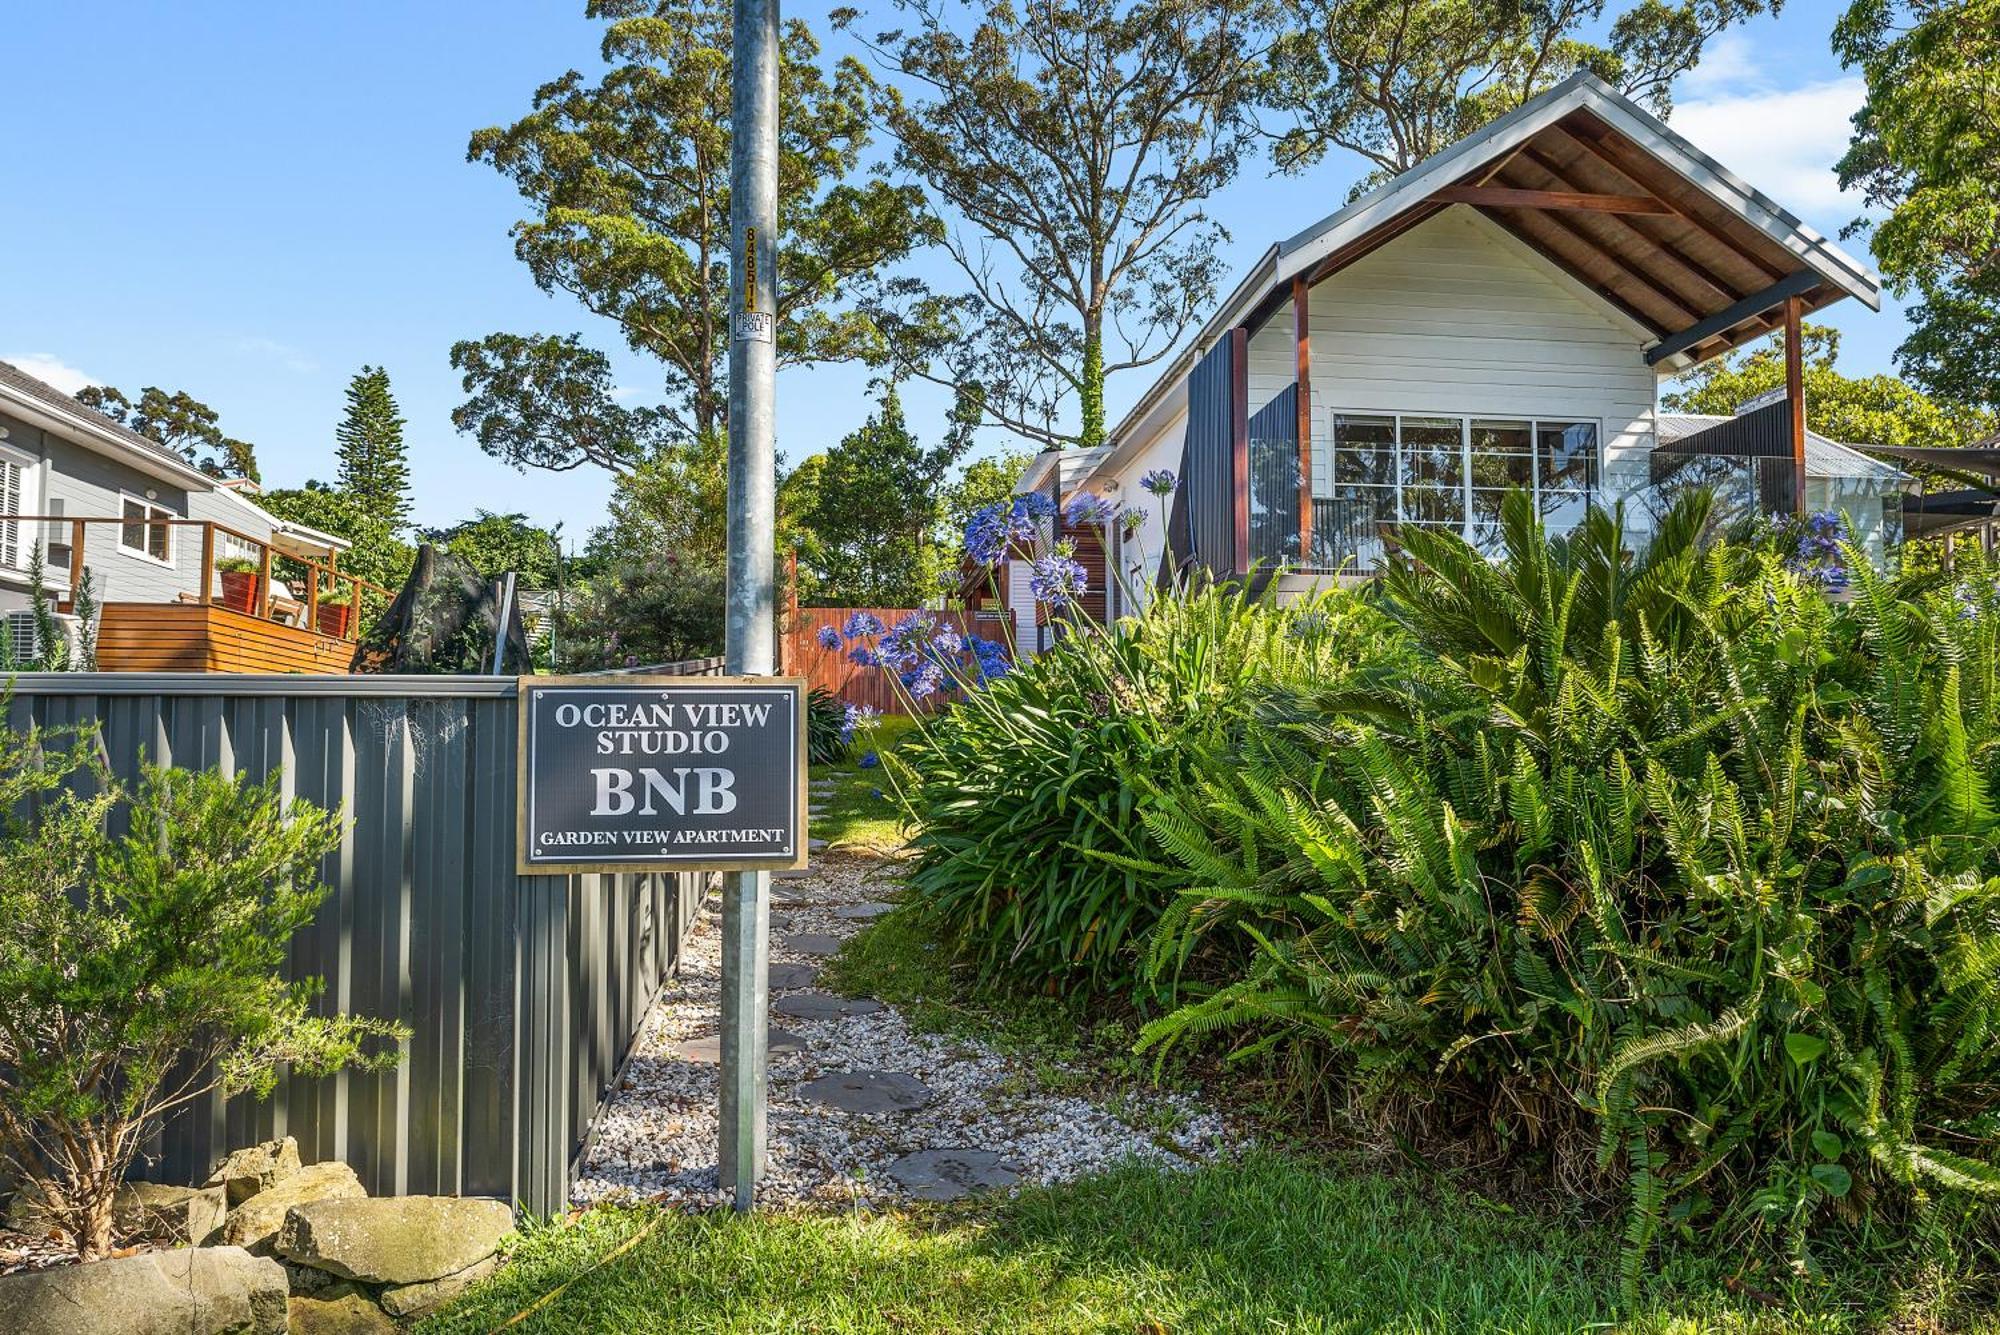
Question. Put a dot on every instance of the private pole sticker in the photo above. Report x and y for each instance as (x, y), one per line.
(661, 774)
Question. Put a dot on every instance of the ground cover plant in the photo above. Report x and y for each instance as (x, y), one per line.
(143, 935)
(1676, 877)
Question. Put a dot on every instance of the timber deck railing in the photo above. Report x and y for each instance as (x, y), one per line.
(331, 606)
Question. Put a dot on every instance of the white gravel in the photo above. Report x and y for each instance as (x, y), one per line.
(658, 1138)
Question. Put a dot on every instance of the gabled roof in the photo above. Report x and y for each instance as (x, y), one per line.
(1825, 457)
(39, 399)
(1685, 249)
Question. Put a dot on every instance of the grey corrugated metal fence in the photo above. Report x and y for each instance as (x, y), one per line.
(524, 992)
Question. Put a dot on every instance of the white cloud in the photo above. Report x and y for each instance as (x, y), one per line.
(1729, 62)
(1783, 141)
(271, 349)
(48, 367)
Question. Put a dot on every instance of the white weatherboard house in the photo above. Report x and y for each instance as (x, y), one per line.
(1501, 315)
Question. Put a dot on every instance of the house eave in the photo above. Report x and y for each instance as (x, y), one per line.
(79, 429)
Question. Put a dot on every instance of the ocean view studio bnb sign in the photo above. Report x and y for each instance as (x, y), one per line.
(662, 774)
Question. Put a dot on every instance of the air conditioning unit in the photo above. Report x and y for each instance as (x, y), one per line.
(18, 638)
(17, 632)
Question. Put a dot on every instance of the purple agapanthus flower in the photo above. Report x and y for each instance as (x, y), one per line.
(1057, 579)
(925, 680)
(1160, 481)
(863, 623)
(947, 641)
(1034, 505)
(856, 718)
(829, 638)
(862, 656)
(1087, 507)
(870, 760)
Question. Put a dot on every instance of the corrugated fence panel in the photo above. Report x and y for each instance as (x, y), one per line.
(523, 994)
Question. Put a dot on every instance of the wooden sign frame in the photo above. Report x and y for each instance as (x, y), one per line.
(526, 686)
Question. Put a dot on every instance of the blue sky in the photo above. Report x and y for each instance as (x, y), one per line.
(251, 201)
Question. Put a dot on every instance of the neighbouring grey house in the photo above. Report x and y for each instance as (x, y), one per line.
(66, 470)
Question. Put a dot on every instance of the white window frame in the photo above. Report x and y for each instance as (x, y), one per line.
(30, 502)
(155, 512)
(1465, 421)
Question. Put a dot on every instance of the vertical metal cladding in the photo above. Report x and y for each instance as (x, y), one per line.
(523, 993)
(1203, 517)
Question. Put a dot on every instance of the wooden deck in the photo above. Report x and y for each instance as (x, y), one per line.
(190, 637)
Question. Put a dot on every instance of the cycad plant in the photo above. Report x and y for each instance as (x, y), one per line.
(1673, 869)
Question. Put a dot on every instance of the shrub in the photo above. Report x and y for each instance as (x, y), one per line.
(138, 971)
(1030, 853)
(1680, 871)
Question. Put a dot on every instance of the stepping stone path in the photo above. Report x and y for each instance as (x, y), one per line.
(869, 1092)
(823, 1005)
(945, 1175)
(708, 1051)
(786, 976)
(931, 1117)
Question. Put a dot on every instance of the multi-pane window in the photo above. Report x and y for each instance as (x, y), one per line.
(1391, 470)
(145, 531)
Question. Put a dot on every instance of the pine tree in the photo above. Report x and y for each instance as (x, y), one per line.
(374, 462)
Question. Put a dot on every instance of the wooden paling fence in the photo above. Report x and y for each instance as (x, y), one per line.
(831, 670)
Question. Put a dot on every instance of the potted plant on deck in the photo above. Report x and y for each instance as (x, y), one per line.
(240, 583)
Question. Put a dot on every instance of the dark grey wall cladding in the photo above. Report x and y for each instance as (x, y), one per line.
(524, 993)
(1204, 519)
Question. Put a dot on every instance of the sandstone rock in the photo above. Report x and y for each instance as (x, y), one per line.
(188, 1291)
(395, 1239)
(152, 1210)
(259, 1168)
(307, 1281)
(409, 1301)
(206, 1210)
(343, 1309)
(255, 1223)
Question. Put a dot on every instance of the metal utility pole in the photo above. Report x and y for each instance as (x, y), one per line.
(752, 611)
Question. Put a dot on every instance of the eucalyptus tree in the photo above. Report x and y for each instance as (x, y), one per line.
(1073, 145)
(626, 179)
(180, 422)
(1394, 81)
(1926, 150)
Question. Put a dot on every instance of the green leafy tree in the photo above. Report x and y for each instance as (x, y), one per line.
(1861, 410)
(1075, 142)
(875, 513)
(546, 401)
(493, 544)
(377, 553)
(374, 461)
(980, 483)
(139, 971)
(1926, 150)
(1394, 81)
(180, 422)
(627, 182)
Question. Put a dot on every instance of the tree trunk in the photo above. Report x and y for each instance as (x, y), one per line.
(1090, 388)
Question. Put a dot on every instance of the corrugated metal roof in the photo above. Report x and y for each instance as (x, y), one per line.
(1824, 458)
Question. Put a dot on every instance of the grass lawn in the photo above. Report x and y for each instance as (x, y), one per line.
(1270, 1243)
(855, 818)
